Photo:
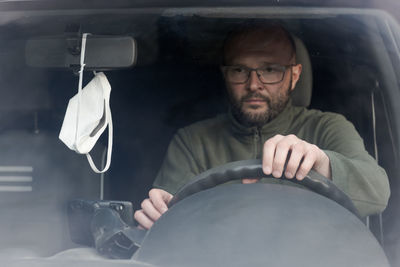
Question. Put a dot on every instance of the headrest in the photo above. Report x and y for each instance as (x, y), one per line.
(301, 95)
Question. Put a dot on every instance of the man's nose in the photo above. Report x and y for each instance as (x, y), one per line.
(254, 81)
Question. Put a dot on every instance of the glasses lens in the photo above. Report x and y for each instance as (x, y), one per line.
(271, 74)
(268, 75)
(237, 74)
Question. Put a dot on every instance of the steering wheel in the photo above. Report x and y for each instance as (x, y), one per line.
(256, 224)
(253, 168)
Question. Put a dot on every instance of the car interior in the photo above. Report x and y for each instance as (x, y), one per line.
(349, 59)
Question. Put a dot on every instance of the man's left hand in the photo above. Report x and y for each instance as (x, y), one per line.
(300, 156)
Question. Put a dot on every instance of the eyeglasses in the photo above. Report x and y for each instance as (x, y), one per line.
(270, 74)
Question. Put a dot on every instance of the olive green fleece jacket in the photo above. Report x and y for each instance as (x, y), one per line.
(213, 142)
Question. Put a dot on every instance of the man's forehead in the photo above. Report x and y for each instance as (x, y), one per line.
(268, 51)
(264, 42)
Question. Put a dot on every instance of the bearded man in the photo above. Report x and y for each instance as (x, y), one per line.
(260, 72)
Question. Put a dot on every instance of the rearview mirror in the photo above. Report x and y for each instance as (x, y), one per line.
(102, 52)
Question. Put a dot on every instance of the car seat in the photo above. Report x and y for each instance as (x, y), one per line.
(301, 96)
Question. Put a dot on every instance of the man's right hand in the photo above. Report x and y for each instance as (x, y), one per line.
(152, 207)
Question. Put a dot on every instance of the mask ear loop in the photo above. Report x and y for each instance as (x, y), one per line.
(110, 136)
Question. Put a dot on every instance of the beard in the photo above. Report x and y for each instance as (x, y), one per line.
(275, 105)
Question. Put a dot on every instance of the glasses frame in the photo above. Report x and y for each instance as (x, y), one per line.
(225, 67)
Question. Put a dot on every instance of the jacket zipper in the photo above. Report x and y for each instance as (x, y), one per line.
(257, 142)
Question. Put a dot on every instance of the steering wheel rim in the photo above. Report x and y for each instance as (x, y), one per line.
(253, 168)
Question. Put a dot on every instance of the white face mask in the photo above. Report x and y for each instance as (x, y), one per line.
(88, 115)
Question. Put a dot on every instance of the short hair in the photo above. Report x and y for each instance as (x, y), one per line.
(250, 27)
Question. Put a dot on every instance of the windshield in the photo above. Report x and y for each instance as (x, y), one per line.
(175, 80)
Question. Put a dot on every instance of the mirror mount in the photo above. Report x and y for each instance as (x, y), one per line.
(73, 33)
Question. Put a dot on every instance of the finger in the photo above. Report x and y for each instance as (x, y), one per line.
(167, 196)
(305, 167)
(150, 210)
(269, 152)
(160, 199)
(281, 154)
(250, 180)
(142, 219)
(294, 161)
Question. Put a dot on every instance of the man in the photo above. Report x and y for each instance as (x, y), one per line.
(260, 73)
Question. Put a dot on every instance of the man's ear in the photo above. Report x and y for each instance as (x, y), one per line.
(296, 72)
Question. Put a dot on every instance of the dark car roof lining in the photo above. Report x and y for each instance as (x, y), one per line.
(141, 16)
(104, 4)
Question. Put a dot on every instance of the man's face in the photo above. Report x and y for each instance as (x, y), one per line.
(253, 102)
